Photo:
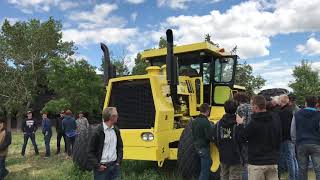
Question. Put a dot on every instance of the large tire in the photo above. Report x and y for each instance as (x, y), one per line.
(188, 160)
(80, 148)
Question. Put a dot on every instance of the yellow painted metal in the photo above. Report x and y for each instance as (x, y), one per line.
(222, 94)
(215, 157)
(202, 46)
(239, 88)
(163, 131)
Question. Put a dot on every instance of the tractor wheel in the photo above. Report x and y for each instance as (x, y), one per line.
(80, 148)
(188, 160)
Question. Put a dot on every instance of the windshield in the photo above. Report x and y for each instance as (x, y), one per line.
(223, 70)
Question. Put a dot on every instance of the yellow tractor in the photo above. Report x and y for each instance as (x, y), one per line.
(155, 109)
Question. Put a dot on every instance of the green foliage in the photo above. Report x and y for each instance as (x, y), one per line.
(306, 81)
(121, 68)
(28, 46)
(140, 66)
(245, 77)
(56, 105)
(32, 44)
(78, 83)
(162, 42)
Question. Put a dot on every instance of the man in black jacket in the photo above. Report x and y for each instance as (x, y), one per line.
(263, 134)
(201, 135)
(287, 147)
(60, 133)
(29, 128)
(226, 141)
(105, 150)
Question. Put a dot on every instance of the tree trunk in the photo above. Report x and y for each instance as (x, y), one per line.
(8, 113)
(19, 117)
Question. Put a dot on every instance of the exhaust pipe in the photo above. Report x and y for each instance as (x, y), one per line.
(109, 70)
(172, 68)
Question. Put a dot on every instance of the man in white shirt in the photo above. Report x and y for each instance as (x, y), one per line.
(105, 150)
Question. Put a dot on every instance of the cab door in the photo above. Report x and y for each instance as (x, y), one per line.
(223, 79)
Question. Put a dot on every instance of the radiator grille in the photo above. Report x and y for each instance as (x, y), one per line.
(134, 102)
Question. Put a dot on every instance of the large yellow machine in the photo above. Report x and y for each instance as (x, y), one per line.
(155, 109)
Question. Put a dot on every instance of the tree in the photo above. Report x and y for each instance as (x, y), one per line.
(30, 45)
(207, 38)
(56, 105)
(244, 77)
(77, 83)
(140, 66)
(306, 81)
(121, 68)
(162, 42)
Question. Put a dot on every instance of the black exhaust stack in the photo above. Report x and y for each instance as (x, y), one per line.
(109, 70)
(172, 68)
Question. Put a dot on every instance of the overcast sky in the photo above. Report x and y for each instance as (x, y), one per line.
(271, 35)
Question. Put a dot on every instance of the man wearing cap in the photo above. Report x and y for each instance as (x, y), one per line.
(47, 132)
(29, 128)
(60, 133)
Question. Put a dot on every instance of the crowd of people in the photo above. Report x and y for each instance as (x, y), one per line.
(67, 127)
(259, 138)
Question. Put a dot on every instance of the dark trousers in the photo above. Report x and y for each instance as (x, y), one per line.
(69, 143)
(47, 139)
(59, 137)
(33, 140)
(111, 173)
(3, 171)
(304, 151)
(206, 163)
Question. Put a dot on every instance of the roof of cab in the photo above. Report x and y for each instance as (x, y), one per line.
(239, 87)
(202, 46)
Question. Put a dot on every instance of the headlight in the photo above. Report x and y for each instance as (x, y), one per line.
(147, 136)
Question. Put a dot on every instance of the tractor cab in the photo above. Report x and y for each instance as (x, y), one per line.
(210, 68)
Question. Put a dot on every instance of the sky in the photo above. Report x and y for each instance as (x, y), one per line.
(271, 35)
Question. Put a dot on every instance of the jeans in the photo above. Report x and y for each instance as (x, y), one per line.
(69, 143)
(3, 171)
(245, 172)
(33, 140)
(59, 137)
(47, 139)
(111, 173)
(206, 163)
(289, 155)
(304, 151)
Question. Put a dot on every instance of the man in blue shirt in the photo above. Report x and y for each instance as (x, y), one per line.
(69, 127)
(47, 132)
(307, 122)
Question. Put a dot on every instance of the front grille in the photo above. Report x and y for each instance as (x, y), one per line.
(134, 102)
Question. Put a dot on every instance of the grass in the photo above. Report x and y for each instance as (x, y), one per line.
(58, 167)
